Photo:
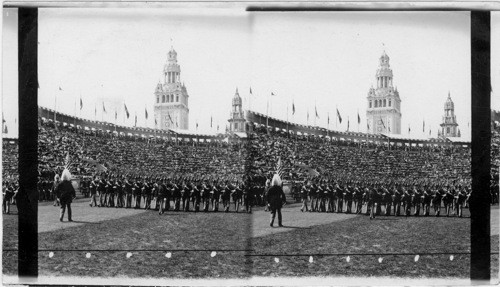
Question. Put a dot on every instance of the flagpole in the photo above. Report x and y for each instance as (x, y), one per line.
(287, 119)
(315, 112)
(337, 117)
(55, 108)
(267, 115)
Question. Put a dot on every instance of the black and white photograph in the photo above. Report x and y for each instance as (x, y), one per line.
(218, 144)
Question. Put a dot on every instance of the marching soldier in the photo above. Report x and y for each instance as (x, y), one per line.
(186, 194)
(348, 198)
(303, 195)
(460, 199)
(436, 200)
(416, 196)
(136, 188)
(176, 191)
(162, 195)
(226, 196)
(358, 199)
(128, 193)
(215, 193)
(93, 190)
(426, 199)
(372, 201)
(101, 189)
(396, 198)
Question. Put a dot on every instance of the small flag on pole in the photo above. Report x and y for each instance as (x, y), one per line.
(156, 122)
(316, 111)
(272, 94)
(383, 124)
(293, 108)
(81, 103)
(116, 115)
(126, 110)
(146, 113)
(409, 129)
(211, 120)
(347, 123)
(251, 91)
(423, 126)
(338, 115)
(170, 118)
(103, 108)
(359, 119)
(135, 124)
(328, 118)
(60, 89)
(368, 126)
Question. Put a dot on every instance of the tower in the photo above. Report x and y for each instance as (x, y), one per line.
(449, 125)
(171, 106)
(236, 117)
(383, 114)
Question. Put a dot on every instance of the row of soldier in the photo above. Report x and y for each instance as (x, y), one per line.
(378, 198)
(164, 194)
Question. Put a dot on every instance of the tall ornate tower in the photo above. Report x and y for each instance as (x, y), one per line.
(383, 114)
(449, 125)
(171, 97)
(236, 117)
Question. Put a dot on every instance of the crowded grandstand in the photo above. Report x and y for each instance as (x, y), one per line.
(332, 172)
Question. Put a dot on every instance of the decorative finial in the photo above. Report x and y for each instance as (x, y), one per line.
(236, 90)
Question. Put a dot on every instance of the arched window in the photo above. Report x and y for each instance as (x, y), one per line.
(163, 98)
(235, 126)
(370, 104)
(172, 97)
(390, 103)
(157, 99)
(376, 102)
(447, 130)
(385, 102)
(177, 98)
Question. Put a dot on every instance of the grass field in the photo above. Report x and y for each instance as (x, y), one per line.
(310, 244)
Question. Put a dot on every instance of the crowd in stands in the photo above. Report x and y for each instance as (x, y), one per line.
(246, 164)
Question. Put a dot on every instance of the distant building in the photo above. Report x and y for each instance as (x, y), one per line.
(449, 127)
(237, 117)
(383, 114)
(171, 108)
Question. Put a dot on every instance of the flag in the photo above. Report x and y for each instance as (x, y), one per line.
(5, 130)
(328, 118)
(429, 132)
(279, 168)
(103, 108)
(409, 129)
(95, 110)
(81, 103)
(217, 127)
(3, 120)
(146, 113)
(135, 124)
(423, 126)
(196, 125)
(338, 115)
(347, 123)
(359, 119)
(307, 115)
(389, 129)
(126, 110)
(293, 108)
(211, 119)
(116, 115)
(316, 111)
(176, 124)
(383, 124)
(170, 118)
(367, 126)
(272, 94)
(60, 89)
(156, 122)
(251, 91)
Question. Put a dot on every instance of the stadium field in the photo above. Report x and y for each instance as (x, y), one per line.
(110, 242)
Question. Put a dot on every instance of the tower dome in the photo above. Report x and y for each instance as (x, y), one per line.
(236, 98)
(449, 105)
(384, 59)
(172, 54)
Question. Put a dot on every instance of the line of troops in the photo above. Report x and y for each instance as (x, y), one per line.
(380, 198)
(164, 194)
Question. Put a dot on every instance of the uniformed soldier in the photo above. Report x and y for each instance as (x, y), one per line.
(396, 199)
(93, 192)
(303, 195)
(196, 196)
(226, 196)
(340, 198)
(358, 199)
(436, 199)
(128, 193)
(101, 190)
(348, 195)
(416, 197)
(448, 200)
(426, 199)
(186, 195)
(176, 190)
(57, 179)
(162, 195)
(331, 197)
(119, 193)
(215, 196)
(205, 196)
(136, 189)
(460, 199)
(372, 201)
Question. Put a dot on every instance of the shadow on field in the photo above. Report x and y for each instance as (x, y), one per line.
(295, 227)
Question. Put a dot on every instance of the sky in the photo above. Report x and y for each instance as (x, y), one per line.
(326, 60)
